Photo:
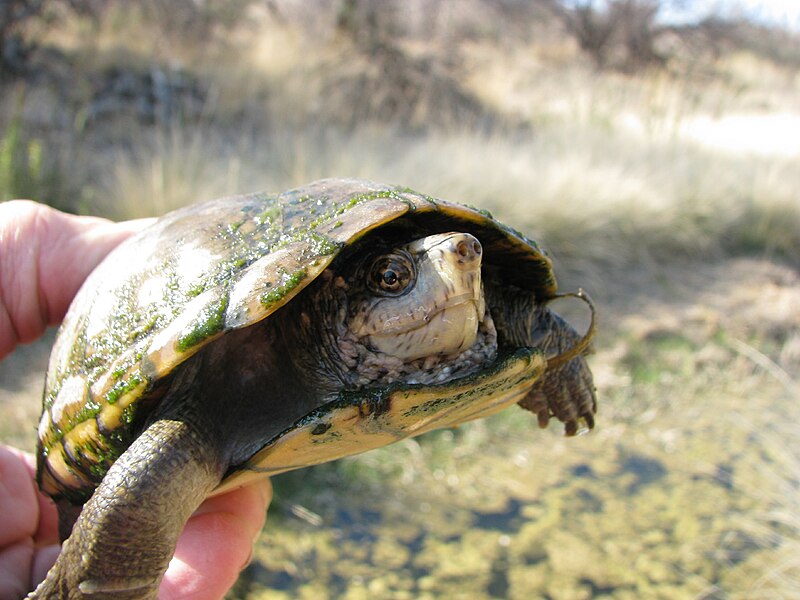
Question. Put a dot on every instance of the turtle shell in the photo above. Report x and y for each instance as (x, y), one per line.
(205, 270)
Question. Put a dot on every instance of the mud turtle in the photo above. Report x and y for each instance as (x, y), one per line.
(261, 333)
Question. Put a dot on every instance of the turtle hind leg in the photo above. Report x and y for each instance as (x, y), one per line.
(126, 534)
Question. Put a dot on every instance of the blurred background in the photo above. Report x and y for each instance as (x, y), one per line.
(653, 146)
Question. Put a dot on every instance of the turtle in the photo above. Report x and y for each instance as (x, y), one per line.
(255, 334)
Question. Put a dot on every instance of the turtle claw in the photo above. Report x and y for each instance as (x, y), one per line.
(588, 418)
(543, 417)
(567, 393)
(571, 428)
(582, 425)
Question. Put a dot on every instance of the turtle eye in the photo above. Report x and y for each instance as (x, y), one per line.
(391, 274)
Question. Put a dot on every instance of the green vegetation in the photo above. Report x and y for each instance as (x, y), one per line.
(660, 171)
(123, 387)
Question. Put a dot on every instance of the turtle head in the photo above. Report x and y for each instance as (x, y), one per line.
(421, 312)
(420, 299)
(413, 312)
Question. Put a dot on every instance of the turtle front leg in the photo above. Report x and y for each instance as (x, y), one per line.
(566, 389)
(126, 534)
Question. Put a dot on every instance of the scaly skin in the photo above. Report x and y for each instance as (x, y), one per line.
(127, 532)
(566, 390)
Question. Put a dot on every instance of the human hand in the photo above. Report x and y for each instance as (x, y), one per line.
(214, 547)
(44, 257)
(29, 531)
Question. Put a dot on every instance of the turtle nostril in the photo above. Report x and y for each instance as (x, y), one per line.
(468, 249)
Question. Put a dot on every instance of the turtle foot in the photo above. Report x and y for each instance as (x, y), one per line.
(567, 393)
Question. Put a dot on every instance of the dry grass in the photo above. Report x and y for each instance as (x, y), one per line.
(593, 196)
(596, 161)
